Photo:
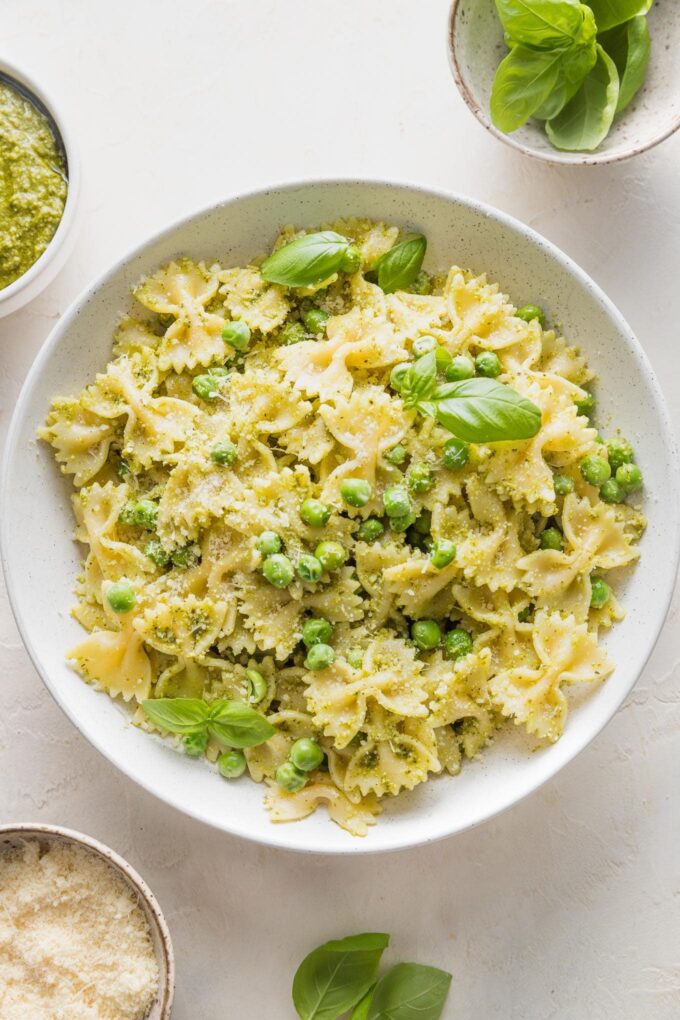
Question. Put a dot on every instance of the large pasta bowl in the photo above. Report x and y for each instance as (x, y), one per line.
(36, 511)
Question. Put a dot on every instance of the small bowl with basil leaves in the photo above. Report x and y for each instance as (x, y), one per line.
(567, 82)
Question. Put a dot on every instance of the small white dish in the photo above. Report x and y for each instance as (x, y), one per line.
(42, 561)
(476, 47)
(44, 270)
(12, 836)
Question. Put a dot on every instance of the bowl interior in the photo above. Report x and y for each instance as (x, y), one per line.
(477, 46)
(36, 513)
(15, 837)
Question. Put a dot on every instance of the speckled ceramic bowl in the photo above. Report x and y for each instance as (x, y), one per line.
(476, 47)
(43, 271)
(14, 835)
(35, 509)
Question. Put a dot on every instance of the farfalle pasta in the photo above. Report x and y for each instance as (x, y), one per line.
(289, 507)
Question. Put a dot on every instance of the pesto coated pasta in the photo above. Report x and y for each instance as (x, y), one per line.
(278, 514)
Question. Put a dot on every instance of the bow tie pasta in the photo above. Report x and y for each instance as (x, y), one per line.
(278, 523)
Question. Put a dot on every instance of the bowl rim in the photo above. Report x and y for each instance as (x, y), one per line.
(132, 878)
(269, 836)
(67, 221)
(558, 158)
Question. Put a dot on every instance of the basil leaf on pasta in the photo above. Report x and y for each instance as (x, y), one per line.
(307, 260)
(184, 716)
(410, 991)
(398, 267)
(335, 977)
(420, 380)
(484, 410)
(236, 724)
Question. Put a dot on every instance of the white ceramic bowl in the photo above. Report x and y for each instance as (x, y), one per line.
(476, 48)
(42, 272)
(41, 561)
(12, 836)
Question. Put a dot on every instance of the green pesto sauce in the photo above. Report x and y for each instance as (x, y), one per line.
(33, 184)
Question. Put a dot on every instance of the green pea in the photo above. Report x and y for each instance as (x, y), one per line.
(315, 513)
(355, 657)
(595, 470)
(231, 764)
(455, 454)
(351, 262)
(309, 568)
(331, 555)
(315, 320)
(269, 543)
(290, 778)
(306, 755)
(141, 512)
(611, 491)
(224, 453)
(586, 406)
(195, 744)
(292, 333)
(206, 387)
(461, 367)
(551, 538)
(398, 374)
(530, 312)
(426, 634)
(424, 345)
(619, 452)
(600, 593)
(422, 283)
(121, 596)
(423, 522)
(443, 553)
(316, 631)
(278, 570)
(563, 485)
(420, 478)
(356, 491)
(629, 477)
(257, 686)
(488, 364)
(154, 551)
(370, 530)
(396, 501)
(457, 643)
(397, 455)
(184, 557)
(237, 335)
(319, 656)
(402, 522)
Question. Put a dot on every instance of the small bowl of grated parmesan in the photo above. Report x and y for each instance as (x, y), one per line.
(81, 934)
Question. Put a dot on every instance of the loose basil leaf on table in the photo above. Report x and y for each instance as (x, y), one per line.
(524, 80)
(236, 724)
(585, 121)
(420, 380)
(410, 991)
(610, 13)
(184, 716)
(482, 410)
(629, 46)
(544, 24)
(398, 267)
(333, 978)
(307, 260)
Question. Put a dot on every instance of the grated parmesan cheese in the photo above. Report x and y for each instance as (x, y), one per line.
(74, 943)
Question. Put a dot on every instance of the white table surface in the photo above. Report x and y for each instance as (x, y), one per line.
(567, 905)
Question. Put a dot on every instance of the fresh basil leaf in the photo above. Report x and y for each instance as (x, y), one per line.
(398, 267)
(177, 715)
(482, 410)
(420, 380)
(542, 24)
(586, 119)
(410, 991)
(524, 80)
(629, 47)
(558, 98)
(307, 260)
(236, 724)
(609, 13)
(579, 58)
(360, 1011)
(335, 977)
(427, 408)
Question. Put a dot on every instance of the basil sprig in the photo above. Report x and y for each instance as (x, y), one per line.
(307, 260)
(232, 723)
(341, 976)
(335, 977)
(398, 267)
(478, 410)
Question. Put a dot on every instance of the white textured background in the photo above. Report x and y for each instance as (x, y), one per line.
(565, 907)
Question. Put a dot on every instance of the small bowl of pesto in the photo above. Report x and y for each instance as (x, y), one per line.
(39, 184)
